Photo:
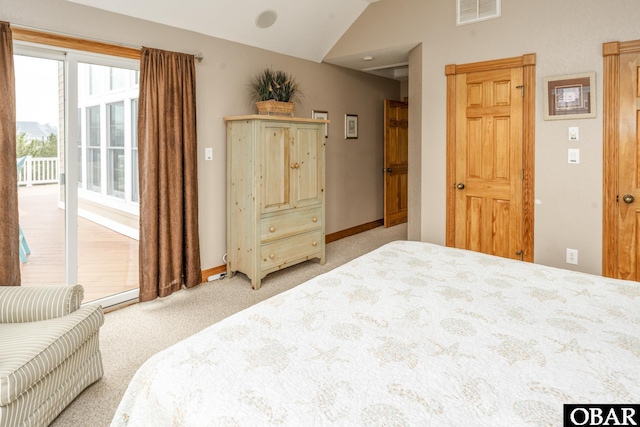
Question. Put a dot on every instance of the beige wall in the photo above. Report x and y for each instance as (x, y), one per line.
(567, 37)
(354, 178)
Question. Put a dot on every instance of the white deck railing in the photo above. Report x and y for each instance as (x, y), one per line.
(39, 170)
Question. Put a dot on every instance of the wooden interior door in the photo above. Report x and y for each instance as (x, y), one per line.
(396, 161)
(621, 204)
(489, 155)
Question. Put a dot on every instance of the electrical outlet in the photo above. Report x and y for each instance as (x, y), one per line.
(572, 256)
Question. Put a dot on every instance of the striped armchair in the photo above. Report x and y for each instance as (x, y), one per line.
(49, 351)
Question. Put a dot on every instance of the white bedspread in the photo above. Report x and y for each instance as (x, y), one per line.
(412, 334)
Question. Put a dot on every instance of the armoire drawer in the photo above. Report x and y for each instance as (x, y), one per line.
(280, 252)
(289, 224)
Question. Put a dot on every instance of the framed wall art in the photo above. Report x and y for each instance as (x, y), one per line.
(570, 97)
(350, 126)
(322, 115)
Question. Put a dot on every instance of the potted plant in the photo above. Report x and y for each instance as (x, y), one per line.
(275, 92)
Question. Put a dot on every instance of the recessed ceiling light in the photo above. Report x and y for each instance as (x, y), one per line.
(266, 19)
(367, 58)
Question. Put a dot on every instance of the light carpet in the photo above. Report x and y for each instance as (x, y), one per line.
(133, 334)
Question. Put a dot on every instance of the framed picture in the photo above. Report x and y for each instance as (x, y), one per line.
(350, 126)
(570, 97)
(322, 115)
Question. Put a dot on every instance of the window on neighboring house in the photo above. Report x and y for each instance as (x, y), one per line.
(115, 150)
(93, 149)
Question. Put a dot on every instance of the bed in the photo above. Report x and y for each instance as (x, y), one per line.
(411, 334)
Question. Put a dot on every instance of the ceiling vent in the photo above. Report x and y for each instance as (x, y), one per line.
(469, 11)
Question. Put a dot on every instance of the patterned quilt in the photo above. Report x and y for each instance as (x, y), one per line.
(411, 334)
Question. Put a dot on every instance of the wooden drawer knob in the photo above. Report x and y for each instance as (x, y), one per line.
(272, 229)
(315, 243)
(314, 219)
(272, 256)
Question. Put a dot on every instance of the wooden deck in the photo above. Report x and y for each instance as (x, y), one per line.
(108, 261)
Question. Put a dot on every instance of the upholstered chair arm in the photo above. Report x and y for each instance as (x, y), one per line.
(19, 304)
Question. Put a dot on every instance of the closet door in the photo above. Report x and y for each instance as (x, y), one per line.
(621, 198)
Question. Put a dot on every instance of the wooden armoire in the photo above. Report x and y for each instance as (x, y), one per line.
(275, 193)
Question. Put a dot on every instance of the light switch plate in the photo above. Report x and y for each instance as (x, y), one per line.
(574, 156)
(208, 153)
(574, 133)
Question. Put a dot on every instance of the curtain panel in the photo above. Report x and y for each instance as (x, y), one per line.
(9, 251)
(169, 241)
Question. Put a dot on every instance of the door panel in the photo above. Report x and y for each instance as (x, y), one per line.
(308, 143)
(488, 162)
(396, 162)
(501, 226)
(275, 175)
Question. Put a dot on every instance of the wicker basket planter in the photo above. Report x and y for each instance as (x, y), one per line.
(275, 108)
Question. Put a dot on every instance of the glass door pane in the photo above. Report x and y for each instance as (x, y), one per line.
(108, 209)
(39, 149)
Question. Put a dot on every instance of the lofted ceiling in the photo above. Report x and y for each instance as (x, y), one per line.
(304, 29)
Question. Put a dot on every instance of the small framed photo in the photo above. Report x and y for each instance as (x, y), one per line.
(322, 115)
(570, 97)
(350, 126)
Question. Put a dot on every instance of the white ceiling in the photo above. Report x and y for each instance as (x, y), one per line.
(306, 29)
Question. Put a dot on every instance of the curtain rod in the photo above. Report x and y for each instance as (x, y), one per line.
(53, 38)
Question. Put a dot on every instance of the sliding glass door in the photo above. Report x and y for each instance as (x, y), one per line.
(96, 192)
(39, 141)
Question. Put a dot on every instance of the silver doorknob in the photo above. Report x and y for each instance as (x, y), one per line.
(460, 186)
(386, 169)
(628, 198)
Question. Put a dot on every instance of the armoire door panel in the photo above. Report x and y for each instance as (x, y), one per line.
(308, 188)
(275, 170)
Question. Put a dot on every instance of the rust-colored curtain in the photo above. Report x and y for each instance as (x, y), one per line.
(169, 242)
(9, 248)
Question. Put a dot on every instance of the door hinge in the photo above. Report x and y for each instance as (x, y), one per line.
(522, 174)
(521, 87)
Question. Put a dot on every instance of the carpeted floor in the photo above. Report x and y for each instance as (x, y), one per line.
(133, 334)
